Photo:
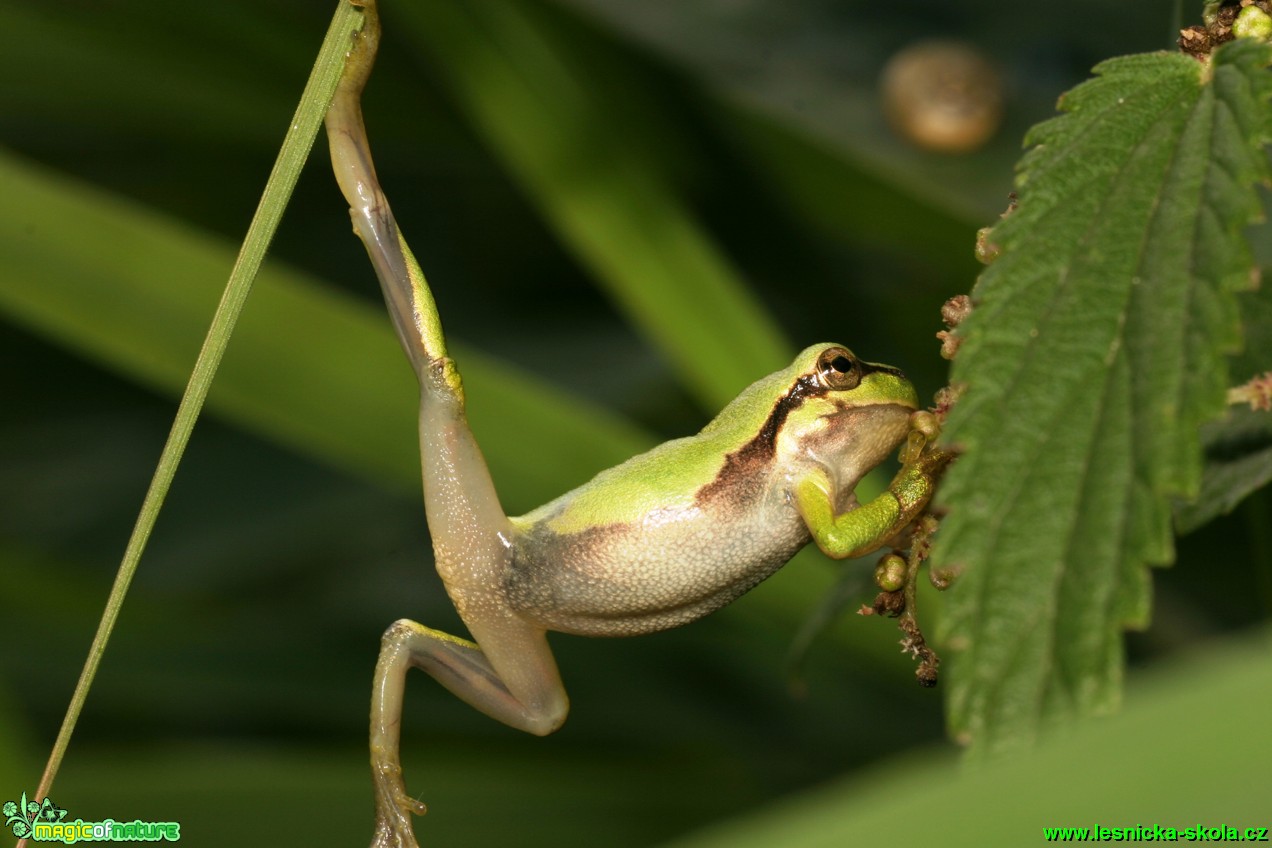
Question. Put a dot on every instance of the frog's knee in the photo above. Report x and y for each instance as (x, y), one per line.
(398, 631)
(548, 718)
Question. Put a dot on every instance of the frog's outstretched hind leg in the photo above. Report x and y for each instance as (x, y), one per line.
(512, 677)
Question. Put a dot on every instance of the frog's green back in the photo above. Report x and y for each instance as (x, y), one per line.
(669, 475)
(675, 480)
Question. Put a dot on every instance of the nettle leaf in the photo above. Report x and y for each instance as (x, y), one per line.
(1095, 353)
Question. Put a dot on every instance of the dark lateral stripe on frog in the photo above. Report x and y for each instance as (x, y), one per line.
(762, 448)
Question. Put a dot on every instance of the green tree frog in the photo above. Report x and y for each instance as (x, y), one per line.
(658, 541)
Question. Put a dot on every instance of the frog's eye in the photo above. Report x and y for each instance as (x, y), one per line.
(839, 369)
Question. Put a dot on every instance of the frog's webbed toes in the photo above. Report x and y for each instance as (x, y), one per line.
(394, 809)
(393, 825)
(390, 834)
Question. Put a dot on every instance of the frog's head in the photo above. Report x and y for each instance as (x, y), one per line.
(841, 413)
(827, 408)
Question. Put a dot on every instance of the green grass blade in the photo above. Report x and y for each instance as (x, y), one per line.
(295, 150)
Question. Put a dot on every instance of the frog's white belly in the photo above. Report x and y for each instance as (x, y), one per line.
(673, 566)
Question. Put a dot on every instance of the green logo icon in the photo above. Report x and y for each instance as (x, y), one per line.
(45, 821)
(20, 816)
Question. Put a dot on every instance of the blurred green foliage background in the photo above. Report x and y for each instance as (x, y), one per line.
(136, 137)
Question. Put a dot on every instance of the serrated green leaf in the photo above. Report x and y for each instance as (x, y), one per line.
(1095, 353)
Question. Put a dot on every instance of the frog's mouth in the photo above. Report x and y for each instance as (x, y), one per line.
(875, 431)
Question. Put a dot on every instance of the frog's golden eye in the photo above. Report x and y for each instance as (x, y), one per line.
(838, 369)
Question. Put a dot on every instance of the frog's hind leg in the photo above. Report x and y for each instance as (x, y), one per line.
(532, 699)
(512, 676)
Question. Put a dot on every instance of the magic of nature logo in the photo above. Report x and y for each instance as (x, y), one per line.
(45, 821)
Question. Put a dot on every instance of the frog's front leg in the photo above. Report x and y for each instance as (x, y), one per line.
(870, 526)
(528, 697)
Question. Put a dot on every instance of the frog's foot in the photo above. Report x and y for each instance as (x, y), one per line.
(393, 808)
